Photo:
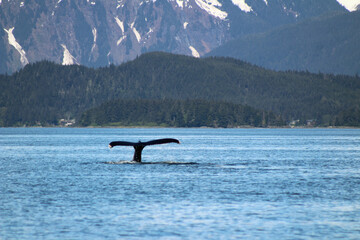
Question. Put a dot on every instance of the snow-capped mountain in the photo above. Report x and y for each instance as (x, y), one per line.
(101, 32)
(351, 5)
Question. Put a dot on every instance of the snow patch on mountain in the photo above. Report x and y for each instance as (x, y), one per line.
(120, 24)
(242, 5)
(350, 5)
(120, 40)
(68, 59)
(91, 2)
(180, 3)
(210, 6)
(289, 11)
(120, 4)
(194, 52)
(150, 31)
(108, 58)
(56, 6)
(17, 46)
(146, 1)
(94, 32)
(137, 34)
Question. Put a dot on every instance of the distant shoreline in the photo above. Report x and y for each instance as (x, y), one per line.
(202, 127)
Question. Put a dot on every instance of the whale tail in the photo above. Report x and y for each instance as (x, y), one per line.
(139, 146)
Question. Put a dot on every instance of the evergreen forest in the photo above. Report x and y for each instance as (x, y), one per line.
(177, 113)
(166, 89)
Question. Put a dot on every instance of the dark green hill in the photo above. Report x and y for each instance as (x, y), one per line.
(177, 113)
(46, 92)
(329, 44)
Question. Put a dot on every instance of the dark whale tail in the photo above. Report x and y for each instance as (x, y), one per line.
(139, 146)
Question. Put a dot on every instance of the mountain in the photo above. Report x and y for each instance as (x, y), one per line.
(100, 32)
(329, 44)
(46, 92)
(351, 5)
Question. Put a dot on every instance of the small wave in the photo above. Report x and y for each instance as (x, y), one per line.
(171, 163)
(86, 163)
(121, 162)
(144, 163)
(233, 166)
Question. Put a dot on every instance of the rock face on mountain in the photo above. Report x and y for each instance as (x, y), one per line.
(328, 44)
(100, 32)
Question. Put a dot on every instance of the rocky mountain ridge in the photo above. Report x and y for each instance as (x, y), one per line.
(326, 44)
(98, 32)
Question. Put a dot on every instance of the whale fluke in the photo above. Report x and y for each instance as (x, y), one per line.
(139, 146)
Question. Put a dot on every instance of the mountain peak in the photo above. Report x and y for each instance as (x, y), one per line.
(350, 5)
(99, 32)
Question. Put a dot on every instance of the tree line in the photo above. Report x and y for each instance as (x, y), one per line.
(177, 113)
(44, 92)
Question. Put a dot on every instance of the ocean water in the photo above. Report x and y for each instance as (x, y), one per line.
(56, 183)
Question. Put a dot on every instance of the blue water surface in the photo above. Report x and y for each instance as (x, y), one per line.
(56, 183)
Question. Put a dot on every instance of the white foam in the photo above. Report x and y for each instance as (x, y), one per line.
(148, 163)
(210, 6)
(185, 24)
(266, 2)
(123, 162)
(17, 46)
(242, 5)
(194, 52)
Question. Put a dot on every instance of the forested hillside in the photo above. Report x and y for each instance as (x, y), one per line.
(44, 92)
(177, 113)
(328, 44)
